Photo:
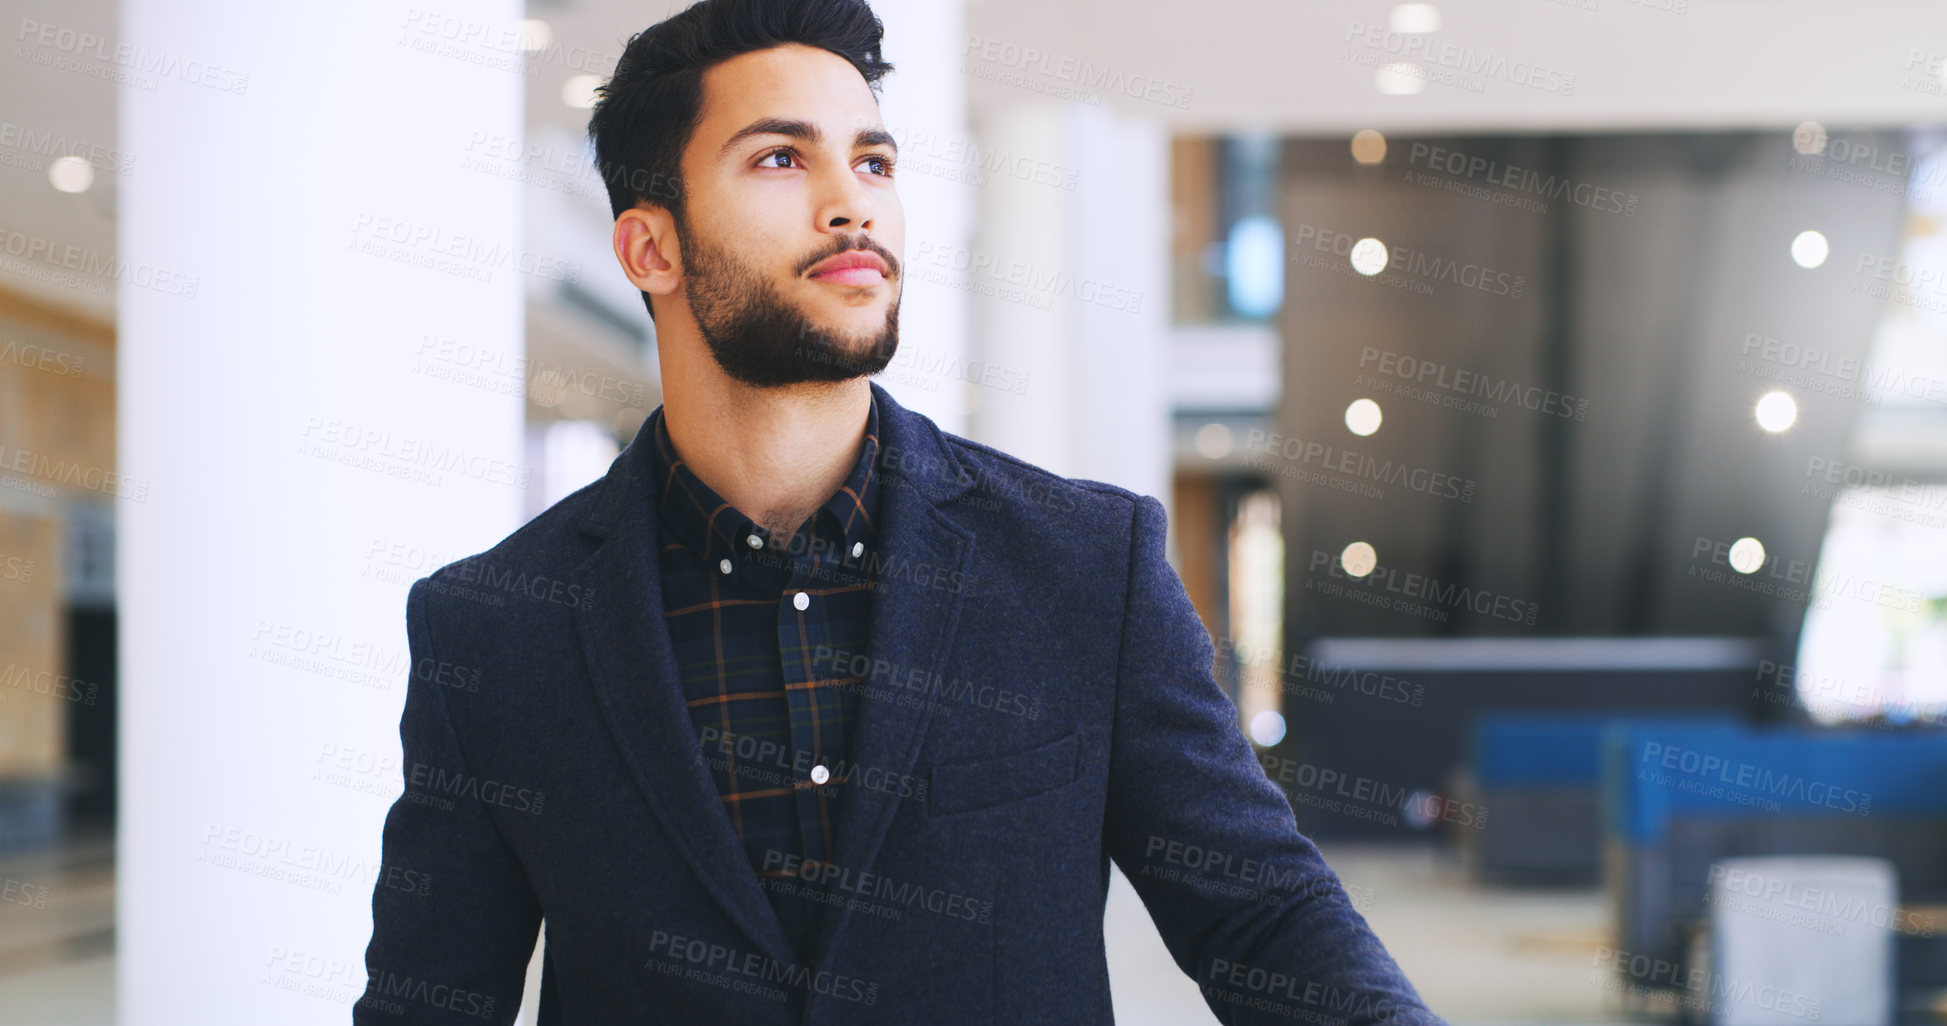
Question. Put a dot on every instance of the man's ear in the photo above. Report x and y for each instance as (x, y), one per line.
(645, 245)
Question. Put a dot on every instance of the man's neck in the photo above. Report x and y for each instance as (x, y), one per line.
(776, 454)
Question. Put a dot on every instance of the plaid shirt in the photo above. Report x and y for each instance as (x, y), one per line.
(748, 616)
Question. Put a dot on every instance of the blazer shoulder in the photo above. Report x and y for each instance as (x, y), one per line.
(536, 555)
(994, 471)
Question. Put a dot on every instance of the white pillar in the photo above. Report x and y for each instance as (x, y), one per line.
(1022, 323)
(924, 105)
(304, 451)
(1121, 224)
(1075, 294)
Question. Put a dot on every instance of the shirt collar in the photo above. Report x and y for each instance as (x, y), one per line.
(705, 523)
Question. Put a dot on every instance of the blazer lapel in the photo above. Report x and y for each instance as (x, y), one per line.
(626, 644)
(633, 667)
(912, 626)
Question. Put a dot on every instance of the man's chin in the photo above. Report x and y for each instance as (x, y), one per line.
(845, 318)
(824, 355)
(850, 358)
(847, 345)
(846, 336)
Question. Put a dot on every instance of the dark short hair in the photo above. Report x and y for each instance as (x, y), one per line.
(648, 110)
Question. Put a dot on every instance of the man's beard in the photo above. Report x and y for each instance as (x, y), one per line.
(758, 337)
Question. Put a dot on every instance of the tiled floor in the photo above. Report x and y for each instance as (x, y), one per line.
(57, 936)
(1483, 954)
(1478, 955)
(69, 994)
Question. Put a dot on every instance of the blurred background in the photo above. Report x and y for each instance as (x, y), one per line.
(1549, 397)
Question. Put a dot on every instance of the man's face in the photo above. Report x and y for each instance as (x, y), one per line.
(766, 205)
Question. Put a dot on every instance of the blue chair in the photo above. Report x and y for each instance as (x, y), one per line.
(1539, 775)
(1678, 798)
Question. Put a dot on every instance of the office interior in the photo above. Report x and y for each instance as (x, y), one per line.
(1549, 399)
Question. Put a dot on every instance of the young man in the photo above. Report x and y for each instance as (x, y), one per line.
(809, 711)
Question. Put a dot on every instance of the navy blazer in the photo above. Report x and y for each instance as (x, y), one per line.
(1038, 699)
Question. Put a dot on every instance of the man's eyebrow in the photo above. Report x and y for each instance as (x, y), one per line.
(875, 137)
(805, 131)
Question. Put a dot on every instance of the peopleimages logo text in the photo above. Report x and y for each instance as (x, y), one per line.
(1430, 590)
(1746, 776)
(1404, 264)
(1481, 64)
(1474, 383)
(1523, 179)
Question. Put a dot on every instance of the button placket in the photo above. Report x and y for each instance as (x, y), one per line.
(806, 701)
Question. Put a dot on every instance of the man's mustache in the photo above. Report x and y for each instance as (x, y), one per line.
(851, 242)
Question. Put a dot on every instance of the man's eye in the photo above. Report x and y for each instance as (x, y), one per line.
(884, 168)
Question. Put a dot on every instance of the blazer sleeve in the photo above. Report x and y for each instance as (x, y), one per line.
(1246, 905)
(453, 916)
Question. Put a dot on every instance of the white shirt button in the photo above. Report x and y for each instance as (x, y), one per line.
(819, 774)
(755, 542)
(858, 549)
(724, 566)
(801, 600)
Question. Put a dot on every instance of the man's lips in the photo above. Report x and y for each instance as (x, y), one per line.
(853, 268)
(852, 276)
